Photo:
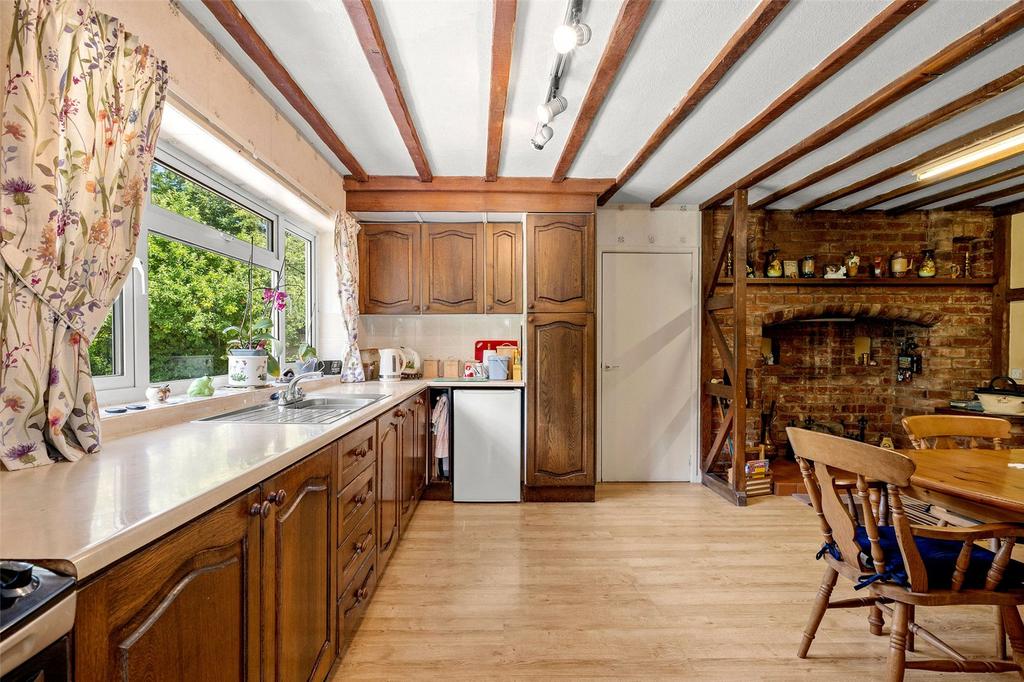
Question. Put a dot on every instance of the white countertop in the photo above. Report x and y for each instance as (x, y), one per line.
(80, 517)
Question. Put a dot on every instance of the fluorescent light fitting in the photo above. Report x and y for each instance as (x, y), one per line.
(568, 37)
(983, 153)
(542, 136)
(553, 107)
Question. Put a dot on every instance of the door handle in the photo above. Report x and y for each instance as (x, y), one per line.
(609, 367)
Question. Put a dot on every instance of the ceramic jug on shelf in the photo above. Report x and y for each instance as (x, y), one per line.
(899, 265)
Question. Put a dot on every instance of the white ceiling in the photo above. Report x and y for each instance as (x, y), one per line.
(441, 53)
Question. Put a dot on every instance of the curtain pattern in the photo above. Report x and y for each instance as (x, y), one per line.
(346, 254)
(81, 112)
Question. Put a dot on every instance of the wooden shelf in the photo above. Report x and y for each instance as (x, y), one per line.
(867, 282)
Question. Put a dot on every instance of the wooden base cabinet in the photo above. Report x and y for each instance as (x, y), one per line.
(561, 400)
(414, 456)
(389, 467)
(298, 568)
(185, 608)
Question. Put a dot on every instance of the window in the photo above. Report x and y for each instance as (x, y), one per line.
(199, 235)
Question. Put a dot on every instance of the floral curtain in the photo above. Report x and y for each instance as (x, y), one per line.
(346, 255)
(81, 112)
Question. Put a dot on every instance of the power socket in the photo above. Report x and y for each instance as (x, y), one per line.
(1016, 372)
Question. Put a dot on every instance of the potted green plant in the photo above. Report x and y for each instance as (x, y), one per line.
(307, 360)
(252, 348)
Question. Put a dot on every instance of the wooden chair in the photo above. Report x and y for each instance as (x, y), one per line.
(903, 566)
(937, 431)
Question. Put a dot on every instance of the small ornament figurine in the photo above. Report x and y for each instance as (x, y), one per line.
(728, 263)
(835, 272)
(772, 264)
(852, 263)
(927, 267)
(878, 267)
(201, 388)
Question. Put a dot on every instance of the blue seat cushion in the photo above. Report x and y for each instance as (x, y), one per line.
(939, 557)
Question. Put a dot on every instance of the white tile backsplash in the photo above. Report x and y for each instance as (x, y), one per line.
(437, 336)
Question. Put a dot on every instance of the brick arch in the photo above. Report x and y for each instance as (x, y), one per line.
(877, 311)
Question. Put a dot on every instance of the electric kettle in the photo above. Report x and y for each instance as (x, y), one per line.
(392, 361)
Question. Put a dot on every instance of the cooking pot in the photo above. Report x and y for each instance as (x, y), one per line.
(1006, 400)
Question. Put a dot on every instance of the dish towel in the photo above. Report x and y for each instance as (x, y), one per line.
(439, 426)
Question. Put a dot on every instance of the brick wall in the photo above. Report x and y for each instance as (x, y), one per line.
(817, 374)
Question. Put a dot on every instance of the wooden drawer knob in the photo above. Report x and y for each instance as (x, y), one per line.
(277, 498)
(258, 509)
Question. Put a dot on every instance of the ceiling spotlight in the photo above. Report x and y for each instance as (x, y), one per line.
(570, 36)
(542, 136)
(553, 107)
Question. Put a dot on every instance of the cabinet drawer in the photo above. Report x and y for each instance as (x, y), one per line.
(355, 499)
(360, 541)
(357, 596)
(358, 451)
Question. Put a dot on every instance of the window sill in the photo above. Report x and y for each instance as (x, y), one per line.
(161, 415)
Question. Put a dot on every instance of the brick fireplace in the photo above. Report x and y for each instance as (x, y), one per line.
(810, 327)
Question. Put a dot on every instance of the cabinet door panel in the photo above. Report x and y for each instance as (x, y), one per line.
(560, 386)
(453, 268)
(422, 440)
(298, 558)
(389, 452)
(389, 268)
(560, 263)
(504, 267)
(187, 607)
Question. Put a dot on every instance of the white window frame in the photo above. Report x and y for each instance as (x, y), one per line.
(131, 313)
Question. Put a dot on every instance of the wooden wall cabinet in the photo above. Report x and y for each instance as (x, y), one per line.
(453, 268)
(389, 269)
(561, 400)
(181, 608)
(560, 263)
(298, 568)
(504, 259)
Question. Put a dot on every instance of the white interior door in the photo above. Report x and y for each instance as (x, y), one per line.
(649, 389)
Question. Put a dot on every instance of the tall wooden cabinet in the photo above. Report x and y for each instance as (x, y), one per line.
(560, 265)
(389, 268)
(453, 268)
(561, 358)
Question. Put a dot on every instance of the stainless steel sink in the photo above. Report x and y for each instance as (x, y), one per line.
(308, 411)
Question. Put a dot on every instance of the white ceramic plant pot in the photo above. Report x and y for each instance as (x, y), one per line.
(247, 367)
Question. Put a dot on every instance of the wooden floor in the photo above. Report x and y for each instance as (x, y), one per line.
(652, 581)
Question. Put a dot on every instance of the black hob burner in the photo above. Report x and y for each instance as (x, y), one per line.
(26, 591)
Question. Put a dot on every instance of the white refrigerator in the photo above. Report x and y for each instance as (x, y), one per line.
(487, 450)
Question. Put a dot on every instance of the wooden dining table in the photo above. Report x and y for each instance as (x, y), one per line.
(973, 482)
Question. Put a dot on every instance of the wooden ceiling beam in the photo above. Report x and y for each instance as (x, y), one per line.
(976, 202)
(975, 136)
(1009, 208)
(364, 20)
(747, 34)
(235, 23)
(627, 25)
(960, 50)
(957, 191)
(502, 38)
(919, 125)
(884, 22)
(457, 183)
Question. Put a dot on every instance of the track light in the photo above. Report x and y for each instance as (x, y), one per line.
(995, 149)
(542, 136)
(570, 36)
(553, 107)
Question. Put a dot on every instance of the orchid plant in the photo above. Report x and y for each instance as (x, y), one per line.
(254, 332)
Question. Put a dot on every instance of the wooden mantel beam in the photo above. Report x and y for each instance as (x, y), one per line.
(627, 25)
(884, 22)
(235, 23)
(502, 38)
(986, 92)
(975, 136)
(741, 41)
(949, 57)
(364, 20)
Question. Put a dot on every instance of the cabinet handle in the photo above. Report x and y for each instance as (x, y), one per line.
(531, 305)
(361, 594)
(529, 318)
(277, 498)
(361, 500)
(426, 307)
(400, 414)
(416, 308)
(258, 509)
(419, 401)
(360, 453)
(490, 307)
(360, 547)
